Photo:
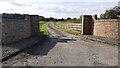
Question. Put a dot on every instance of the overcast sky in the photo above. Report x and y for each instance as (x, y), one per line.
(57, 8)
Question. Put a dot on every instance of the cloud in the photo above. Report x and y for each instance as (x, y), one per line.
(66, 10)
(119, 3)
(71, 9)
(19, 4)
(92, 0)
(87, 4)
(40, 8)
(61, 1)
(9, 10)
(58, 9)
(6, 0)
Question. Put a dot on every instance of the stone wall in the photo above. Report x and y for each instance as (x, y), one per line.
(107, 28)
(17, 27)
(100, 27)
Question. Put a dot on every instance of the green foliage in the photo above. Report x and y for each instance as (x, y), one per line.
(74, 20)
(43, 29)
(113, 13)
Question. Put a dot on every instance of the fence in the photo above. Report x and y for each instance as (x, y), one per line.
(71, 26)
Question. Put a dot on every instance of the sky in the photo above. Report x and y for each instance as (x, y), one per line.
(57, 8)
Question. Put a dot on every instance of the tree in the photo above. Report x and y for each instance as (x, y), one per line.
(68, 18)
(113, 13)
(62, 19)
(41, 18)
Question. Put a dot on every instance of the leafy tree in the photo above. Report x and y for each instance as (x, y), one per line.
(113, 13)
(68, 18)
(62, 19)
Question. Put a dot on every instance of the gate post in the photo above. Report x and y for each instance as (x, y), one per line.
(87, 25)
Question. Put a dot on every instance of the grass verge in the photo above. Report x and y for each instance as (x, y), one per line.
(43, 29)
(65, 30)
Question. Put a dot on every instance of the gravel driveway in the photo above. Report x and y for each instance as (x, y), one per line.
(71, 50)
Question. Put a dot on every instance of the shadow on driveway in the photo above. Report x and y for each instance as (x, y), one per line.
(48, 44)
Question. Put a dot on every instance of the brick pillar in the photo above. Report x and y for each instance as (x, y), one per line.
(87, 25)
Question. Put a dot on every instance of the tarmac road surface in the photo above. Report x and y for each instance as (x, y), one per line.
(70, 50)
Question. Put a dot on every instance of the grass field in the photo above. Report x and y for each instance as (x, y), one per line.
(65, 30)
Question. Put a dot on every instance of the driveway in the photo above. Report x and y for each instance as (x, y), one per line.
(70, 50)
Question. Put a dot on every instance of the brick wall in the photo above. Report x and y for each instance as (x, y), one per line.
(107, 28)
